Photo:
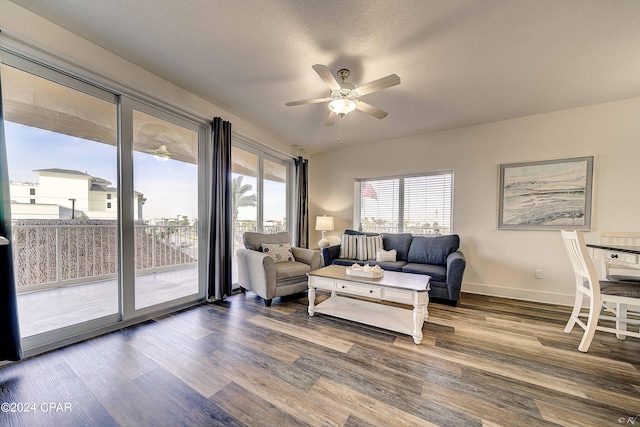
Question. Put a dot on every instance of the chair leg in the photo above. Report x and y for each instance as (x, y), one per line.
(621, 315)
(577, 306)
(595, 306)
(267, 303)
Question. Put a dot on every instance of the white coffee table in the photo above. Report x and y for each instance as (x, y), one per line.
(404, 288)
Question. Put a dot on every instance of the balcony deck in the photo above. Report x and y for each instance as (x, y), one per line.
(46, 310)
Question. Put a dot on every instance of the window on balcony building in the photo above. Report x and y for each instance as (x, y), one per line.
(32, 191)
(417, 204)
(108, 205)
(108, 196)
(32, 201)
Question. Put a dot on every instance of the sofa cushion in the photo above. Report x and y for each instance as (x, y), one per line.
(437, 272)
(349, 246)
(254, 240)
(280, 252)
(368, 246)
(432, 250)
(399, 242)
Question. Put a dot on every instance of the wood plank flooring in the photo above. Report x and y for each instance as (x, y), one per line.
(488, 362)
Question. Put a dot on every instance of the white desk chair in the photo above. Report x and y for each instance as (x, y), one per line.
(620, 238)
(605, 296)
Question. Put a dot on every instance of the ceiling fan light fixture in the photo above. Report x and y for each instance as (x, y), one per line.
(342, 107)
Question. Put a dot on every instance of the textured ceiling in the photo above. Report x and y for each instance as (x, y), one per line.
(461, 62)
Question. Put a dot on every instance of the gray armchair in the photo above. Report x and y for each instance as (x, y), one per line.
(261, 274)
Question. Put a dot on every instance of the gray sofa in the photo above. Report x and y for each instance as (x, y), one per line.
(259, 273)
(436, 256)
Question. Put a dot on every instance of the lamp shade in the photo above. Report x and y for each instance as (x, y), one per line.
(324, 223)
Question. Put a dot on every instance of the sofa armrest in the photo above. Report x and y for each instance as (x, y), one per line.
(456, 263)
(308, 256)
(330, 253)
(256, 272)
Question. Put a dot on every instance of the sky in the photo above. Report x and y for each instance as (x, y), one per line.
(169, 186)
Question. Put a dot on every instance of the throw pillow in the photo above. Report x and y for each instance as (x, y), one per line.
(382, 255)
(348, 245)
(280, 252)
(367, 247)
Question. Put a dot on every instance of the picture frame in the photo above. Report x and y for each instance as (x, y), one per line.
(546, 195)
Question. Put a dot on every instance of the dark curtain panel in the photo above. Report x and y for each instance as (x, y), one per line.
(10, 345)
(301, 227)
(220, 240)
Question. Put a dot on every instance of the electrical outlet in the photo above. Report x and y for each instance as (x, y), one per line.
(539, 274)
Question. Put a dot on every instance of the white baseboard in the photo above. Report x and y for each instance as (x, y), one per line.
(519, 294)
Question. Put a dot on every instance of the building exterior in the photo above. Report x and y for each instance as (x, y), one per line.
(67, 194)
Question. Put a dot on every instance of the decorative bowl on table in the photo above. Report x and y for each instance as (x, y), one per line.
(374, 272)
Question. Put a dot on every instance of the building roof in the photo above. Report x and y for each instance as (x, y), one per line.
(63, 171)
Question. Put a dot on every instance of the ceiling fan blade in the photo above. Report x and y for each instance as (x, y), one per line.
(325, 74)
(331, 120)
(306, 101)
(370, 109)
(376, 85)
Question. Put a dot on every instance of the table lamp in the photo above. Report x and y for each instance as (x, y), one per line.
(324, 223)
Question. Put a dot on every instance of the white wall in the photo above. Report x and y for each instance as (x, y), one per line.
(501, 262)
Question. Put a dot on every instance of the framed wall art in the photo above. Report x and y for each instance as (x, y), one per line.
(546, 195)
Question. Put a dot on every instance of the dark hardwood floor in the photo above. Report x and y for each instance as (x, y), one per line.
(488, 362)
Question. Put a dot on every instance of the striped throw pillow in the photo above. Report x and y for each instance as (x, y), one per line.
(368, 246)
(348, 245)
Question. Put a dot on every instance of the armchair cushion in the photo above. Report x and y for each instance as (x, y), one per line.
(280, 252)
(289, 270)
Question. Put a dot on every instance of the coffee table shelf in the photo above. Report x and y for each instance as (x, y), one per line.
(404, 288)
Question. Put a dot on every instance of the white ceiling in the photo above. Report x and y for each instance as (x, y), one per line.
(462, 62)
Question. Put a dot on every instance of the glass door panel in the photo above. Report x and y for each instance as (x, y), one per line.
(62, 164)
(244, 189)
(165, 180)
(275, 197)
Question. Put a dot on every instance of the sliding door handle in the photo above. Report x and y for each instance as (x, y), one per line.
(4, 241)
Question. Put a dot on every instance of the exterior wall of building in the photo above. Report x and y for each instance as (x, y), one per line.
(52, 198)
(59, 188)
(38, 211)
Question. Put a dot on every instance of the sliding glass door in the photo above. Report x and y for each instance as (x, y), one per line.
(61, 139)
(108, 195)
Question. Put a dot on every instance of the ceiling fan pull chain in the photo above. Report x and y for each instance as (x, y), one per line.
(340, 129)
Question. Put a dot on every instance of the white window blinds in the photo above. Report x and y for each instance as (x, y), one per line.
(417, 204)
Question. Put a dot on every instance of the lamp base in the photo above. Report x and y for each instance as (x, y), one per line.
(323, 243)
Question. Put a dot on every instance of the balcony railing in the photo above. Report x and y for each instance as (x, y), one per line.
(53, 253)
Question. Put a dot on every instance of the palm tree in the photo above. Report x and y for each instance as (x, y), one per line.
(240, 196)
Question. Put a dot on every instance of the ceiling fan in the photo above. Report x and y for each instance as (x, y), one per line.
(161, 153)
(343, 97)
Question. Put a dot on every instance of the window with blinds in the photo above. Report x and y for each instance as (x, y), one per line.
(417, 204)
